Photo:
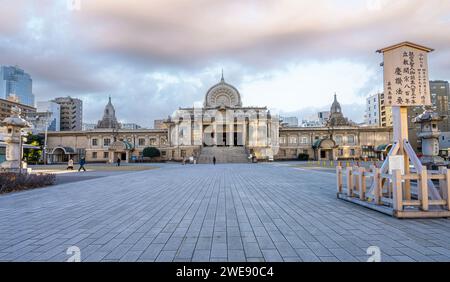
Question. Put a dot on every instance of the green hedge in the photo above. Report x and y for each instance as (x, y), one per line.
(151, 152)
(303, 157)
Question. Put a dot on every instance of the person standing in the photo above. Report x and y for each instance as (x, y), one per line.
(214, 160)
(118, 161)
(70, 164)
(82, 163)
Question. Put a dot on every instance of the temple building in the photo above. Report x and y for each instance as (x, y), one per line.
(109, 117)
(223, 128)
(339, 139)
(336, 117)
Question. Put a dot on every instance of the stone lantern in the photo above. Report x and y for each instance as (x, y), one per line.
(13, 138)
(429, 134)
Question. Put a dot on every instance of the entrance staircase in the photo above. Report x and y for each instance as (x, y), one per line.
(223, 155)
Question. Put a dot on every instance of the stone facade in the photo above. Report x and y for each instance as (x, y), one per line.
(105, 145)
(347, 142)
(223, 122)
(225, 129)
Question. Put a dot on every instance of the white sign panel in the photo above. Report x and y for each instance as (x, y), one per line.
(397, 162)
(406, 77)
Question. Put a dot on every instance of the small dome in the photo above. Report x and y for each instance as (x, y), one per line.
(223, 94)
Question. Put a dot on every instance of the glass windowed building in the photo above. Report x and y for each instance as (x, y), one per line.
(16, 82)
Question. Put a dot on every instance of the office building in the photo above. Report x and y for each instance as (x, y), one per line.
(71, 113)
(16, 82)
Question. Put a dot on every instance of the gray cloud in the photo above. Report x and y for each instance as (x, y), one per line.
(111, 47)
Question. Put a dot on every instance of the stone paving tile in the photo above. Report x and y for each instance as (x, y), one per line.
(201, 255)
(236, 255)
(227, 212)
(131, 256)
(166, 256)
(307, 255)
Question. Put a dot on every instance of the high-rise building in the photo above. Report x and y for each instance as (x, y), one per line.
(317, 120)
(8, 104)
(385, 112)
(372, 116)
(289, 121)
(323, 116)
(377, 113)
(16, 82)
(71, 113)
(88, 126)
(130, 126)
(440, 92)
(53, 111)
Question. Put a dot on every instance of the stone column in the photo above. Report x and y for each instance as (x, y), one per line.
(13, 139)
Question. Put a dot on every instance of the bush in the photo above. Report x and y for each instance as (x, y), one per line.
(303, 157)
(10, 182)
(151, 152)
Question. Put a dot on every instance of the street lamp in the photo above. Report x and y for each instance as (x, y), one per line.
(46, 121)
(44, 154)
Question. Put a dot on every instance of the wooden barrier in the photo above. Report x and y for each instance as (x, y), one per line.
(389, 195)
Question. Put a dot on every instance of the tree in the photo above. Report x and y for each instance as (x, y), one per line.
(34, 155)
(151, 152)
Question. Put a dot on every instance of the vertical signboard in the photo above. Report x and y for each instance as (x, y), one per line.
(406, 80)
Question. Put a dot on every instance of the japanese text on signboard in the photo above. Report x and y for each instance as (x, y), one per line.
(406, 77)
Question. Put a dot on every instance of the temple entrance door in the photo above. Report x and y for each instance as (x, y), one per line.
(224, 139)
(326, 154)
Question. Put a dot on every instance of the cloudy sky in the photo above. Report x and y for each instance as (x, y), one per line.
(154, 56)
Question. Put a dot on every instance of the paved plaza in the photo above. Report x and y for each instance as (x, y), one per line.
(227, 212)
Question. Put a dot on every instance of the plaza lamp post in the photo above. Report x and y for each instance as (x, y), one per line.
(21, 152)
(44, 153)
(46, 121)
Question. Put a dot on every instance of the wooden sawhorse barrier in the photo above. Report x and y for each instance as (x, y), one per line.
(389, 195)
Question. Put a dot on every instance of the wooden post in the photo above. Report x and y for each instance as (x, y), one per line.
(423, 189)
(362, 184)
(442, 182)
(339, 179)
(355, 180)
(400, 118)
(349, 182)
(446, 188)
(378, 186)
(397, 189)
(407, 190)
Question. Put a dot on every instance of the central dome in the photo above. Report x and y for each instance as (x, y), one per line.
(223, 95)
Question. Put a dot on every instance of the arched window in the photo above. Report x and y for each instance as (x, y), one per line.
(351, 139)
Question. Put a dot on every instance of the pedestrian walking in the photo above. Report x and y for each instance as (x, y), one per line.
(82, 163)
(118, 161)
(214, 160)
(70, 164)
